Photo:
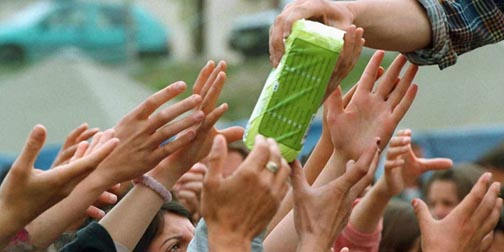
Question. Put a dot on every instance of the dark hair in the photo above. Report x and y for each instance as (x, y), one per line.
(157, 224)
(400, 227)
(240, 147)
(493, 158)
(462, 182)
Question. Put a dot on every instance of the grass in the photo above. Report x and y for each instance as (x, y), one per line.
(244, 84)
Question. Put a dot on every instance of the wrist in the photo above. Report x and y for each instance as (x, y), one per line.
(11, 222)
(381, 189)
(221, 240)
(313, 244)
(167, 174)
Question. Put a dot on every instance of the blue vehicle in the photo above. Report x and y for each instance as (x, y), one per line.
(100, 30)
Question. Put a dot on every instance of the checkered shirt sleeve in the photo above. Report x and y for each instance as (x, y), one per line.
(459, 26)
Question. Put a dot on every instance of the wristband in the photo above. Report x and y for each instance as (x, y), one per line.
(154, 185)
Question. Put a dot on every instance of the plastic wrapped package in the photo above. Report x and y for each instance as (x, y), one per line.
(294, 90)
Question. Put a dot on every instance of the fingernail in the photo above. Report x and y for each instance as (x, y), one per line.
(378, 141)
(199, 115)
(179, 85)
(414, 202)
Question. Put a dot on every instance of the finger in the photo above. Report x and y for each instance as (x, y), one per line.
(107, 135)
(345, 60)
(211, 81)
(348, 96)
(275, 157)
(487, 205)
(399, 141)
(486, 243)
(88, 134)
(195, 186)
(191, 176)
(394, 152)
(80, 151)
(401, 89)
(366, 180)
(167, 115)
(368, 78)
(298, 179)
(169, 148)
(436, 164)
(213, 94)
(232, 134)
(216, 158)
(72, 138)
(403, 106)
(392, 164)
(146, 108)
(334, 103)
(95, 213)
(74, 172)
(388, 81)
(203, 76)
(64, 156)
(26, 160)
(404, 132)
(107, 198)
(492, 220)
(283, 173)
(212, 118)
(176, 127)
(355, 171)
(422, 214)
(94, 143)
(259, 156)
(471, 202)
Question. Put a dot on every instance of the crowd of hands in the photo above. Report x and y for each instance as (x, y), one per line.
(302, 208)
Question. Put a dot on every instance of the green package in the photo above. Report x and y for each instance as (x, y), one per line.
(294, 90)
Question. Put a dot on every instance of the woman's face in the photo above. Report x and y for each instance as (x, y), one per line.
(177, 232)
(442, 198)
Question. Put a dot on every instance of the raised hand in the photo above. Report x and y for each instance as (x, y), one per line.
(469, 226)
(27, 192)
(69, 147)
(238, 207)
(188, 189)
(321, 213)
(370, 114)
(319, 10)
(143, 134)
(403, 167)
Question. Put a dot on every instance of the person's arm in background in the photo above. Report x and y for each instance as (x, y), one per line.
(368, 117)
(469, 226)
(140, 132)
(129, 219)
(25, 193)
(401, 167)
(235, 218)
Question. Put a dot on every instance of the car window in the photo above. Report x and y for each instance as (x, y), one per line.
(66, 18)
(109, 17)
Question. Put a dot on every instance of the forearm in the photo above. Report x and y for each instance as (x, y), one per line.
(284, 237)
(46, 228)
(366, 215)
(224, 241)
(334, 168)
(316, 162)
(396, 25)
(128, 220)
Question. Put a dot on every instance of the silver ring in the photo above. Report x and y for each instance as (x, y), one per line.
(272, 166)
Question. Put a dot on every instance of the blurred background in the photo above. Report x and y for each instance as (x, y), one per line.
(66, 62)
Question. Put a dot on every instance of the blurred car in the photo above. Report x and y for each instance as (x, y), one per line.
(250, 33)
(100, 30)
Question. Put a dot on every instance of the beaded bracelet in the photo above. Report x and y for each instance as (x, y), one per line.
(154, 185)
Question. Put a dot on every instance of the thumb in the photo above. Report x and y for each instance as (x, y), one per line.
(298, 179)
(32, 147)
(422, 214)
(217, 156)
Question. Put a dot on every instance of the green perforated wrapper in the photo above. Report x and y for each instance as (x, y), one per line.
(294, 90)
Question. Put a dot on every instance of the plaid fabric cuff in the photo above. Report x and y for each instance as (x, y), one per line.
(442, 52)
